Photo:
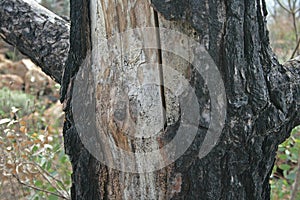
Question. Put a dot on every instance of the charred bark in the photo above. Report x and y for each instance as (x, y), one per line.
(263, 107)
(36, 32)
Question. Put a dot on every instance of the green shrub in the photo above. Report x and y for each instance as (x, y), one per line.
(17, 99)
(32, 149)
(286, 167)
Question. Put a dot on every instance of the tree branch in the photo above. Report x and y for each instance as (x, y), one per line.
(37, 32)
(296, 48)
(284, 87)
(282, 6)
(36, 188)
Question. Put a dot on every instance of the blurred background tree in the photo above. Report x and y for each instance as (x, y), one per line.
(283, 24)
(60, 7)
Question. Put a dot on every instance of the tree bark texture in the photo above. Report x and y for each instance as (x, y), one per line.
(263, 102)
(263, 99)
(36, 32)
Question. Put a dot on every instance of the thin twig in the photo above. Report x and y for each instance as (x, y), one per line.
(54, 178)
(36, 188)
(45, 174)
(294, 5)
(290, 5)
(293, 12)
(282, 6)
(295, 24)
(295, 50)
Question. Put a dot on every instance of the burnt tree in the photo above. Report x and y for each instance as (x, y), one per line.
(262, 97)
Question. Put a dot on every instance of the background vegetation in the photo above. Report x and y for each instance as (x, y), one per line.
(32, 160)
(283, 23)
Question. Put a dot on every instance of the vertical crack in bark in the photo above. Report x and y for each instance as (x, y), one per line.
(106, 193)
(161, 76)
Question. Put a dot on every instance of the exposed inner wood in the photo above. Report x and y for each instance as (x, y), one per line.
(130, 98)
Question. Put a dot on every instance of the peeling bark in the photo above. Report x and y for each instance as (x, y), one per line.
(36, 32)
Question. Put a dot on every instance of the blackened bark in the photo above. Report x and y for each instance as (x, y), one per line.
(263, 107)
(86, 169)
(37, 33)
(263, 99)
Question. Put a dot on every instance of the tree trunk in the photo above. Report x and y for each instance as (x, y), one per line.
(118, 96)
(262, 100)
